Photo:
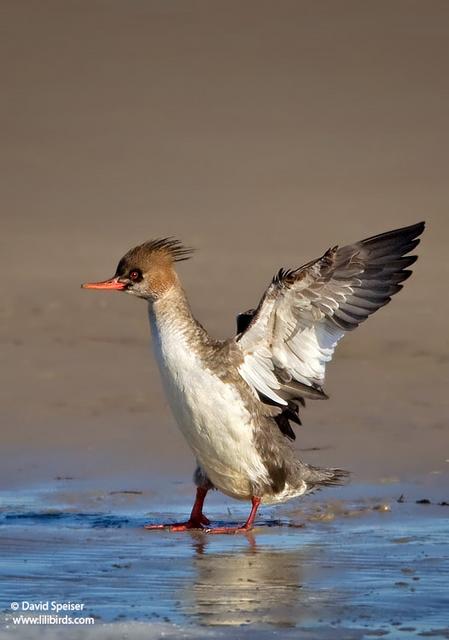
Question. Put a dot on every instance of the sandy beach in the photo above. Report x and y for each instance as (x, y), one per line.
(260, 134)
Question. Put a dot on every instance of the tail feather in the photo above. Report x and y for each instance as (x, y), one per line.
(316, 477)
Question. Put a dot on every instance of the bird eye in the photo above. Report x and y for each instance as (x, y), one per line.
(135, 275)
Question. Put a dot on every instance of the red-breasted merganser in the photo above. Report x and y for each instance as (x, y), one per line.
(235, 400)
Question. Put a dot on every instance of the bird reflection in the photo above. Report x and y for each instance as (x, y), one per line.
(245, 585)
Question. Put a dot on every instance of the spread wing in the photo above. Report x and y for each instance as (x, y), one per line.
(287, 341)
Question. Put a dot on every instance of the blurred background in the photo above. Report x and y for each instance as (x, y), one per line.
(261, 133)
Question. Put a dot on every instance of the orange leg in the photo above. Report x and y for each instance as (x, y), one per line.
(244, 528)
(197, 519)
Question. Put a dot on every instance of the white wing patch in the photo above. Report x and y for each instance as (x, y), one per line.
(292, 336)
(258, 367)
(257, 371)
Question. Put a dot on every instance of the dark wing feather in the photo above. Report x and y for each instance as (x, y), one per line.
(244, 320)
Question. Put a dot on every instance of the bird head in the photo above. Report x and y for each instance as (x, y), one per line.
(146, 271)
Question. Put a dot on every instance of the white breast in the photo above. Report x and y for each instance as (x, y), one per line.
(209, 412)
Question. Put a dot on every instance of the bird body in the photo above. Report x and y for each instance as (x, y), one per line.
(216, 413)
(234, 400)
(209, 411)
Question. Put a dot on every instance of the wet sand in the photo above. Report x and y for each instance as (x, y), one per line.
(261, 134)
(353, 565)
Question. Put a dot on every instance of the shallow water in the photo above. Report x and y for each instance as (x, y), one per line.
(353, 563)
